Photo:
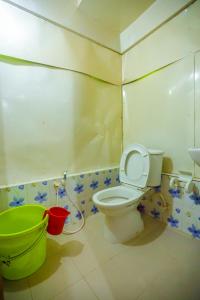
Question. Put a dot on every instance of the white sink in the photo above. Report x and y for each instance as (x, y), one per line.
(195, 155)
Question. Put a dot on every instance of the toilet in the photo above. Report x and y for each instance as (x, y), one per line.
(140, 170)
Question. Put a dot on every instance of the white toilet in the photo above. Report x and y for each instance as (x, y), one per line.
(140, 169)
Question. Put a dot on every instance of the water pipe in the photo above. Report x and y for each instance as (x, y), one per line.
(63, 183)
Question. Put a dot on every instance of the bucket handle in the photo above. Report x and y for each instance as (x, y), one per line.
(8, 259)
(46, 212)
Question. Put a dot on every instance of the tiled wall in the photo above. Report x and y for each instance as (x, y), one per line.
(175, 207)
(79, 188)
(180, 210)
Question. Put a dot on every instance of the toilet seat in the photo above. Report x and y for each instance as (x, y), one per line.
(116, 197)
(134, 166)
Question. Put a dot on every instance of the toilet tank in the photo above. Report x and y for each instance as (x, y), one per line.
(156, 158)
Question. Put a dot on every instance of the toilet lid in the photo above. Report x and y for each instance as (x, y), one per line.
(134, 166)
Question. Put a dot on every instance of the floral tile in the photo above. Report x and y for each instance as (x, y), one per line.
(175, 192)
(4, 200)
(15, 196)
(77, 187)
(194, 231)
(196, 216)
(174, 221)
(39, 193)
(177, 207)
(115, 177)
(91, 208)
(95, 183)
(188, 220)
(62, 193)
(182, 211)
(188, 200)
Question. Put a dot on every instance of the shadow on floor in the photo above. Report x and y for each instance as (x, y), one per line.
(152, 230)
(55, 253)
(70, 248)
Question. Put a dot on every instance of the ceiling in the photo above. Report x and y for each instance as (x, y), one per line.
(116, 15)
(99, 20)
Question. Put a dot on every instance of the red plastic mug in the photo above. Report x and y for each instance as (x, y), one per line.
(57, 217)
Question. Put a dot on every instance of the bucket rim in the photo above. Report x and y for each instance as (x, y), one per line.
(24, 232)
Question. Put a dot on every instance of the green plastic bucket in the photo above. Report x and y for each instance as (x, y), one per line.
(22, 241)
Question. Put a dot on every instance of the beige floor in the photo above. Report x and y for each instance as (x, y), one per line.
(159, 265)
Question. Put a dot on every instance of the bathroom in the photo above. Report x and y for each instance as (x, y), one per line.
(83, 86)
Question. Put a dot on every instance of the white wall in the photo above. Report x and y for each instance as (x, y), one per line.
(28, 37)
(159, 113)
(52, 120)
(197, 108)
(171, 42)
(69, 14)
(158, 13)
(161, 100)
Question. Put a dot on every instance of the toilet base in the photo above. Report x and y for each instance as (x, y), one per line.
(122, 228)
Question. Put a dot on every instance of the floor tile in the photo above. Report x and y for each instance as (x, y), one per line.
(159, 264)
(57, 273)
(17, 290)
(176, 281)
(179, 245)
(126, 275)
(79, 291)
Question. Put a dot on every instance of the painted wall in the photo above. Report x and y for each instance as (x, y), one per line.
(161, 103)
(60, 101)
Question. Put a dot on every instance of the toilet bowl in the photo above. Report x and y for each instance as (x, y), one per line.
(140, 169)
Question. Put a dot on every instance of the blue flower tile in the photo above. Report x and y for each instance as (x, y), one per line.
(175, 193)
(41, 197)
(78, 215)
(62, 192)
(94, 185)
(107, 181)
(44, 182)
(79, 188)
(21, 187)
(195, 198)
(194, 231)
(94, 209)
(173, 222)
(16, 202)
